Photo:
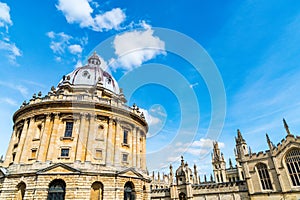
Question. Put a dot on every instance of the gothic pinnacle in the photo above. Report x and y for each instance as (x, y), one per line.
(286, 127)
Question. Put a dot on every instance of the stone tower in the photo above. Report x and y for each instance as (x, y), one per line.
(241, 150)
(219, 164)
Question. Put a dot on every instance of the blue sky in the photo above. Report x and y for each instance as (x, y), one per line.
(253, 44)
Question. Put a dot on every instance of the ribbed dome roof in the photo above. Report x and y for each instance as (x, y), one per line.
(183, 169)
(90, 75)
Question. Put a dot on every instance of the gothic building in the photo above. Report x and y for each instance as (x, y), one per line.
(272, 174)
(81, 141)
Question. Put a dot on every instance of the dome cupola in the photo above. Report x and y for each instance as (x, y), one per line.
(90, 76)
(94, 60)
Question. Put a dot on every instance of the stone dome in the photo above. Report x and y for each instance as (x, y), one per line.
(91, 75)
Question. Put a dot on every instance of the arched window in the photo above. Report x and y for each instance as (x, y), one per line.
(21, 187)
(96, 191)
(129, 192)
(264, 176)
(57, 190)
(293, 165)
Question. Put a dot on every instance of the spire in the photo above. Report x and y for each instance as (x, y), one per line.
(271, 146)
(250, 151)
(153, 175)
(239, 139)
(158, 177)
(171, 175)
(286, 127)
(216, 151)
(182, 161)
(230, 163)
(211, 178)
(196, 180)
(222, 156)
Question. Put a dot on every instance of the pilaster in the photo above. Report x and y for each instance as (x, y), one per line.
(92, 131)
(22, 141)
(134, 152)
(45, 139)
(53, 137)
(82, 138)
(117, 153)
(138, 149)
(24, 153)
(109, 143)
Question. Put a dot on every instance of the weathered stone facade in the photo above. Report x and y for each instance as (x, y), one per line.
(273, 174)
(80, 141)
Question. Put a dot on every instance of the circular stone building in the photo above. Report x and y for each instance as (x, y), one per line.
(80, 141)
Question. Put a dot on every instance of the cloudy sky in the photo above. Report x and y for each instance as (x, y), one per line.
(247, 51)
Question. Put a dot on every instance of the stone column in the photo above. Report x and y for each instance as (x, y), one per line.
(134, 153)
(109, 143)
(82, 137)
(92, 131)
(117, 152)
(8, 157)
(25, 152)
(45, 139)
(144, 151)
(22, 141)
(138, 149)
(52, 147)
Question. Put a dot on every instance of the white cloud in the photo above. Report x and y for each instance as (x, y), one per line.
(78, 64)
(75, 49)
(59, 41)
(158, 110)
(198, 148)
(206, 143)
(109, 20)
(12, 50)
(23, 90)
(80, 11)
(8, 101)
(62, 44)
(4, 15)
(136, 47)
(151, 120)
(76, 11)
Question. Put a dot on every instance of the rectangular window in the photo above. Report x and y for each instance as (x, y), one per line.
(98, 154)
(69, 129)
(13, 157)
(33, 153)
(64, 152)
(125, 157)
(125, 137)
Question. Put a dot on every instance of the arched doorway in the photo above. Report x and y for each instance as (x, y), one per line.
(182, 196)
(96, 191)
(129, 192)
(21, 187)
(57, 190)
